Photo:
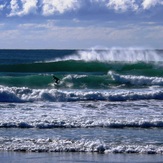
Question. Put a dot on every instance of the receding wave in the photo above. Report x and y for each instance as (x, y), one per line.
(68, 145)
(83, 123)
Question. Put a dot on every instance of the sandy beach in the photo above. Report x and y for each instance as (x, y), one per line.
(18, 157)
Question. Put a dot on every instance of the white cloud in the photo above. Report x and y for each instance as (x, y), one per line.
(23, 7)
(29, 6)
(2, 6)
(35, 26)
(122, 5)
(52, 6)
(150, 3)
(50, 35)
(14, 7)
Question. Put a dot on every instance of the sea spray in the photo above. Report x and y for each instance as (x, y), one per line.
(116, 55)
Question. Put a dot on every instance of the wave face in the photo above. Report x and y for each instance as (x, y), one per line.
(89, 80)
(83, 61)
(80, 69)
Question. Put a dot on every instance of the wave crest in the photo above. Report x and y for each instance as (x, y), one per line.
(116, 55)
(14, 94)
(136, 80)
(82, 145)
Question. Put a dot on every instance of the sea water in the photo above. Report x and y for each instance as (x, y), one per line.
(107, 101)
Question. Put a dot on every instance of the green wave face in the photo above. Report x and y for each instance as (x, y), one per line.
(140, 68)
(82, 69)
(66, 81)
(76, 74)
(33, 81)
(61, 66)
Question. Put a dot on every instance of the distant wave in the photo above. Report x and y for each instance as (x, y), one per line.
(128, 61)
(115, 55)
(72, 66)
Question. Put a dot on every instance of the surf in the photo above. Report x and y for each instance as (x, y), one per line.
(25, 94)
(136, 80)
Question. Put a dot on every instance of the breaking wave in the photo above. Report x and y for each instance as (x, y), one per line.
(14, 94)
(95, 61)
(115, 55)
(136, 80)
(65, 145)
(83, 123)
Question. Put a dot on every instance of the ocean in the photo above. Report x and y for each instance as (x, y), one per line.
(107, 101)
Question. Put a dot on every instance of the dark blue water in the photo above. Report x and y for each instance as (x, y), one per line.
(31, 56)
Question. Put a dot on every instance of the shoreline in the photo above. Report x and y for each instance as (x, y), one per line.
(29, 157)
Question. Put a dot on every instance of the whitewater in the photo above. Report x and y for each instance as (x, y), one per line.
(107, 101)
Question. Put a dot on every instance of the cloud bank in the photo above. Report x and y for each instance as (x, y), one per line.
(51, 7)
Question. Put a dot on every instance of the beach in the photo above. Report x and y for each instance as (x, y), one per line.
(13, 157)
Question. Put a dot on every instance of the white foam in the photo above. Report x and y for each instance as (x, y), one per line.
(136, 80)
(15, 94)
(115, 55)
(79, 123)
(65, 145)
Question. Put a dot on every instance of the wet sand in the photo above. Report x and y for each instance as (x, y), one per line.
(19, 157)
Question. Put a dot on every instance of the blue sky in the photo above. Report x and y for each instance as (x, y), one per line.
(71, 24)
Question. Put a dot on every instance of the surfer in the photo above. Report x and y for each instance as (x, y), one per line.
(56, 79)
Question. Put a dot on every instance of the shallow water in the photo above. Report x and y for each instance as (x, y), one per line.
(78, 157)
(107, 127)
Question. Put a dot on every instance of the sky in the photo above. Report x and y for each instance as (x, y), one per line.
(81, 24)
